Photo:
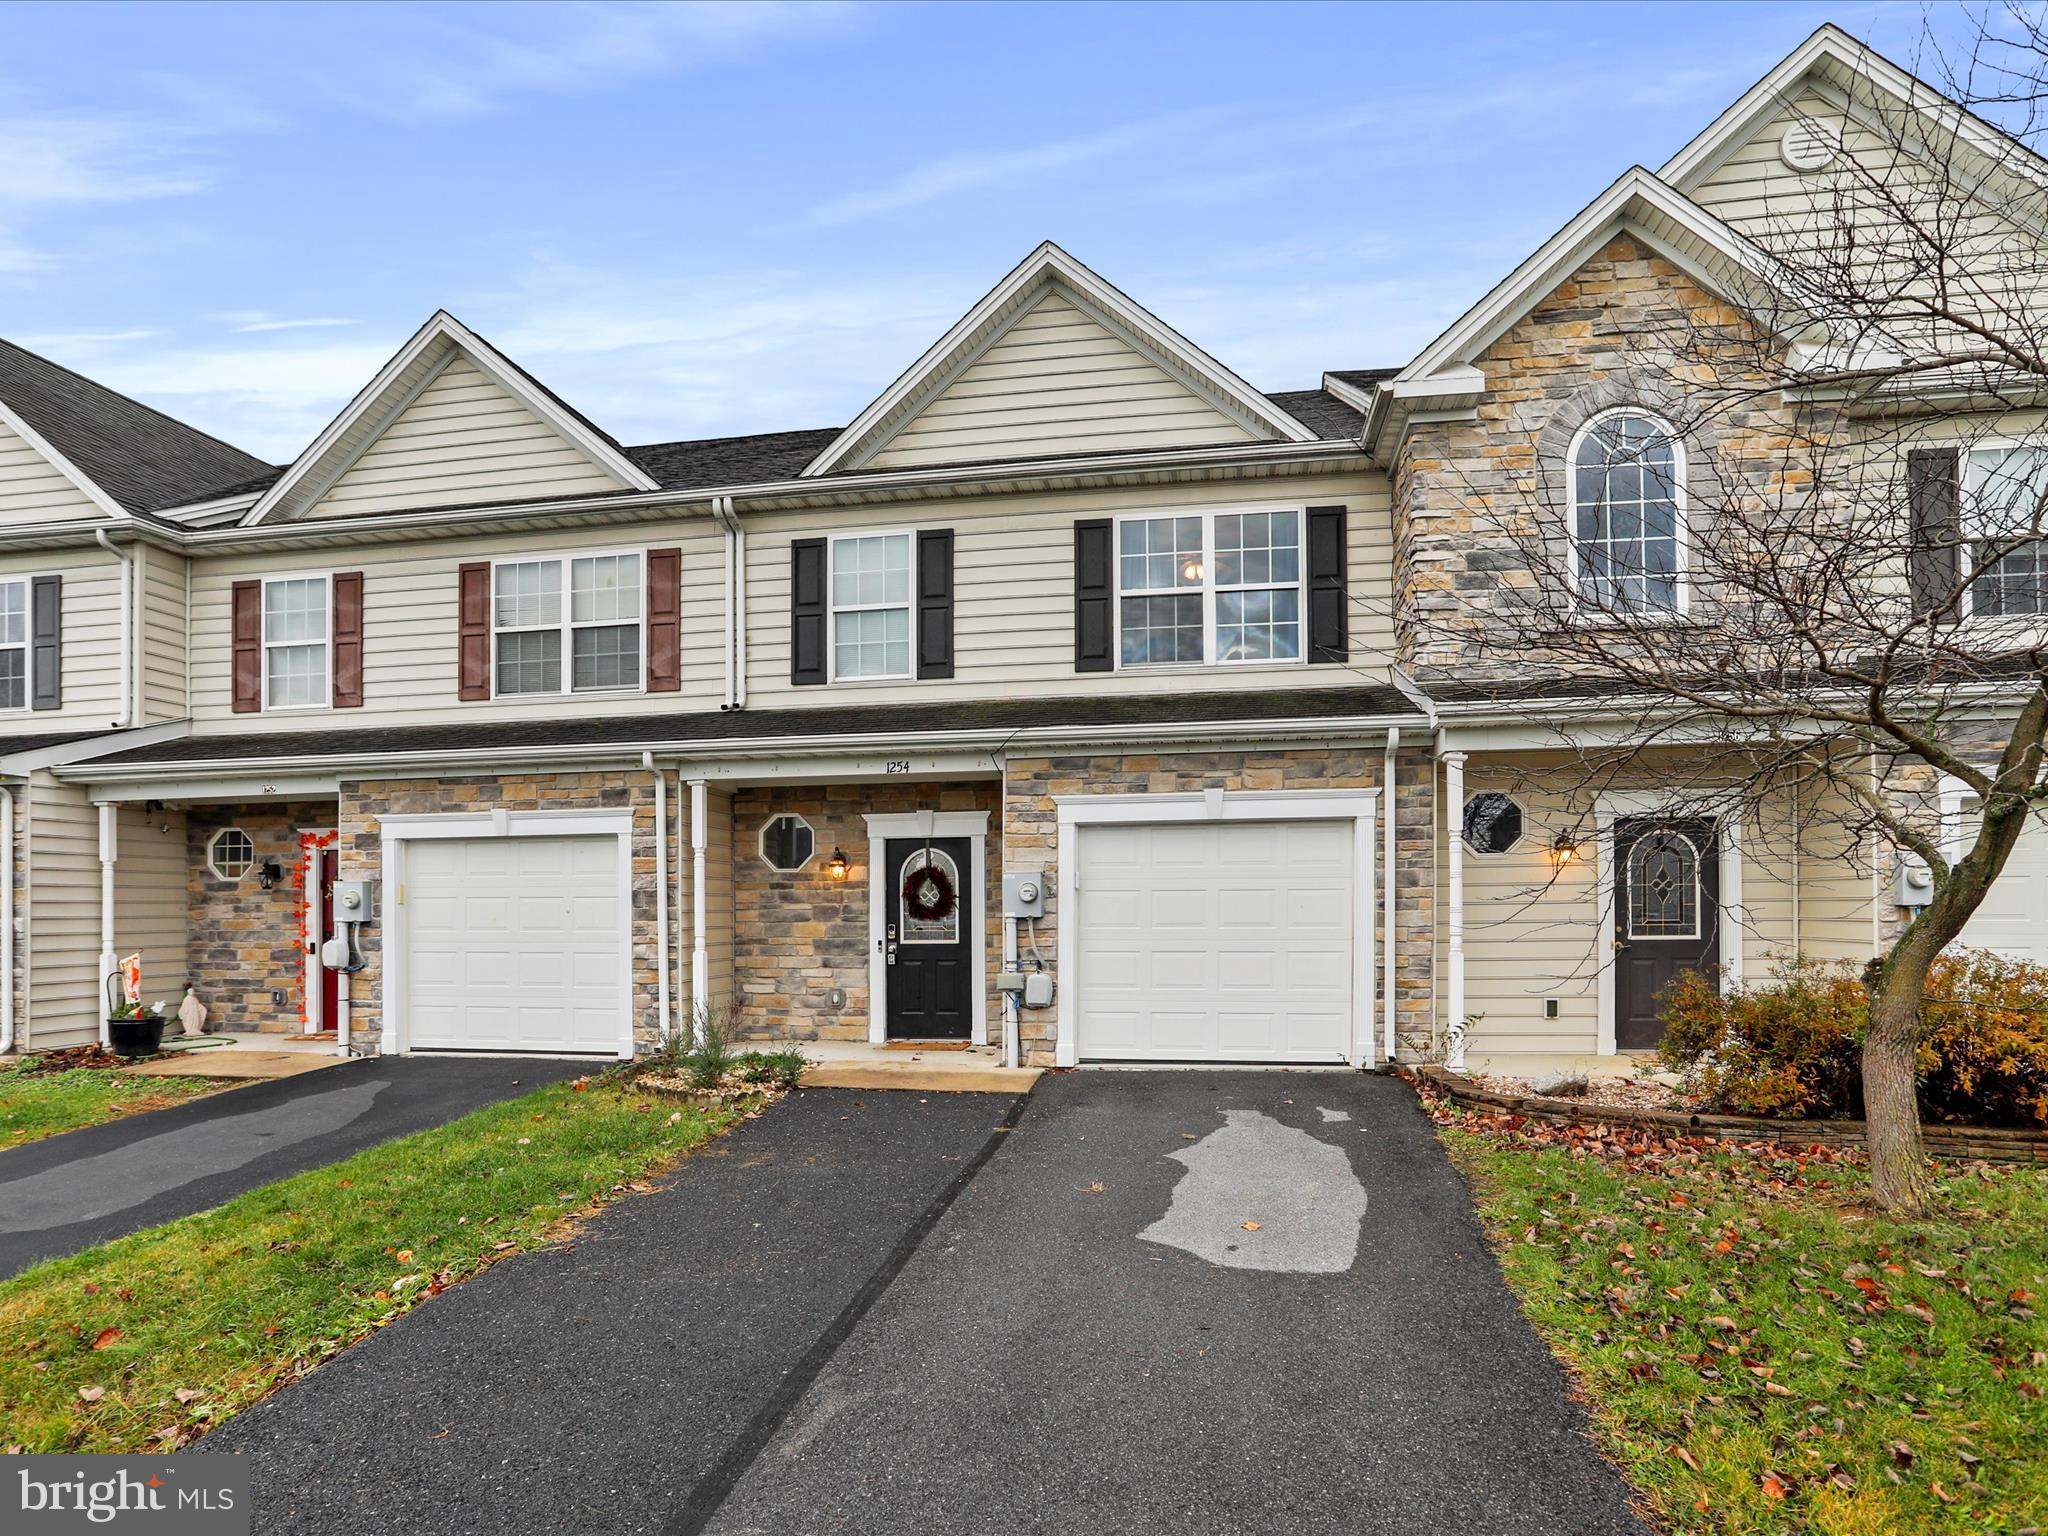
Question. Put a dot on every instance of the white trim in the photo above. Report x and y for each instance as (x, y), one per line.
(1046, 265)
(908, 605)
(1208, 590)
(212, 854)
(397, 831)
(1358, 806)
(27, 645)
(1681, 516)
(972, 825)
(315, 968)
(79, 479)
(264, 644)
(761, 843)
(565, 626)
(1701, 805)
(445, 331)
(2028, 630)
(1454, 938)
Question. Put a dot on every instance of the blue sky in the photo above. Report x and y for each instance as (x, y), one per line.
(713, 219)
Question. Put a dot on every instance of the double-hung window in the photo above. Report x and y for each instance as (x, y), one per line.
(567, 625)
(1628, 515)
(2006, 525)
(1221, 587)
(13, 645)
(870, 586)
(296, 614)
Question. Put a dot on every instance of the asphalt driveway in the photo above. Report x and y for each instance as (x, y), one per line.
(1162, 1302)
(67, 1192)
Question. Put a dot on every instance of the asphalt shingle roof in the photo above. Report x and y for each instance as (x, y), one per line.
(142, 458)
(682, 728)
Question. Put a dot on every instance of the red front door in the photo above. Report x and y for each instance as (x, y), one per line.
(321, 928)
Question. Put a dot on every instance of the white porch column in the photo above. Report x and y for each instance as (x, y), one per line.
(1454, 825)
(109, 813)
(664, 1022)
(700, 952)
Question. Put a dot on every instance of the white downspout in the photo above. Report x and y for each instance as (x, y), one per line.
(731, 565)
(735, 602)
(1387, 856)
(6, 919)
(127, 715)
(108, 848)
(663, 1022)
(700, 953)
(1454, 801)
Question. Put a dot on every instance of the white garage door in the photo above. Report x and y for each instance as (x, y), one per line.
(515, 944)
(1216, 941)
(2014, 917)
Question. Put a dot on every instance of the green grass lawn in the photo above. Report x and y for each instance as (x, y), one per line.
(144, 1342)
(38, 1104)
(1761, 1353)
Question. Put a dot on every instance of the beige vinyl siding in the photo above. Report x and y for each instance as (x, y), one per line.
(410, 640)
(718, 896)
(1013, 592)
(1057, 381)
(1533, 932)
(33, 490)
(91, 639)
(150, 904)
(161, 575)
(462, 439)
(62, 938)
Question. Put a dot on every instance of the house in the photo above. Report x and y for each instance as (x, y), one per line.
(1078, 697)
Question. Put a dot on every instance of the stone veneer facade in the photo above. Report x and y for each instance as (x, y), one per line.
(801, 935)
(242, 942)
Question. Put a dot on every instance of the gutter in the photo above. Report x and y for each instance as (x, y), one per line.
(1350, 727)
(127, 714)
(735, 603)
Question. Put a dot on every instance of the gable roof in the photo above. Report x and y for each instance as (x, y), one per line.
(411, 368)
(1638, 203)
(1846, 63)
(122, 454)
(1049, 267)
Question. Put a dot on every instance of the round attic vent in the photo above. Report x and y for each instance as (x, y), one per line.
(1808, 145)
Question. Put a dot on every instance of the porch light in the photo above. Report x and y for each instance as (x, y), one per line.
(835, 867)
(1564, 849)
(269, 874)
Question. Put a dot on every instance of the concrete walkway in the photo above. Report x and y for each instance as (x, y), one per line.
(67, 1192)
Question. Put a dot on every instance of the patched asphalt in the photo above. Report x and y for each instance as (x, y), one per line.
(1038, 1365)
(597, 1386)
(68, 1192)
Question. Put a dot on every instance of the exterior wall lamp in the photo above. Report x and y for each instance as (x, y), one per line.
(1564, 849)
(836, 866)
(269, 873)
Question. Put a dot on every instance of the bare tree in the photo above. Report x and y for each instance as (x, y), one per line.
(1855, 604)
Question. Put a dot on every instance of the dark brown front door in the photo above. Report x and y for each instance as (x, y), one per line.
(929, 960)
(1667, 910)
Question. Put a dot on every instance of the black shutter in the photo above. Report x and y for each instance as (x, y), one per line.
(1094, 593)
(935, 602)
(46, 642)
(1934, 549)
(1329, 630)
(807, 611)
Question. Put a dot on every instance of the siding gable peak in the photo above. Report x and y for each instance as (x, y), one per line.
(1054, 360)
(449, 421)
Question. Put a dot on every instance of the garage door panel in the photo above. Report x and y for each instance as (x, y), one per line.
(2013, 919)
(1215, 941)
(515, 944)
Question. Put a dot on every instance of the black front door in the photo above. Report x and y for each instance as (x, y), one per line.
(928, 940)
(1667, 910)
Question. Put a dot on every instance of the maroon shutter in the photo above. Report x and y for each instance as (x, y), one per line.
(348, 640)
(246, 642)
(664, 620)
(474, 670)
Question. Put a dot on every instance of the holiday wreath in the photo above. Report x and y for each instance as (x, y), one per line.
(928, 894)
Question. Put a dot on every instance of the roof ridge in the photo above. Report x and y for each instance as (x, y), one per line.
(143, 405)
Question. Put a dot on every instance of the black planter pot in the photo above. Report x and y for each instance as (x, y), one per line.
(135, 1037)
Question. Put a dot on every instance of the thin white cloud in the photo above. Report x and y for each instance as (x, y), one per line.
(76, 341)
(311, 323)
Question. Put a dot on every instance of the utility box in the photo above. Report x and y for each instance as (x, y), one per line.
(1037, 990)
(1913, 884)
(1024, 895)
(353, 901)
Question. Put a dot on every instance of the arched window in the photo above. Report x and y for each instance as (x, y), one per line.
(1628, 513)
(1664, 887)
(943, 927)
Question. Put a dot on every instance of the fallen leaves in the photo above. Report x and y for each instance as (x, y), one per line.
(1250, 1226)
(91, 1394)
(105, 1337)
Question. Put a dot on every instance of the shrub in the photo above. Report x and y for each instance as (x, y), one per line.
(1792, 1047)
(781, 1068)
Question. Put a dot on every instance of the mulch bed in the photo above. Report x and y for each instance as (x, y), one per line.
(1951, 1143)
(75, 1058)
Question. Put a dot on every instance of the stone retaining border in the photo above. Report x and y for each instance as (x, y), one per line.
(1950, 1143)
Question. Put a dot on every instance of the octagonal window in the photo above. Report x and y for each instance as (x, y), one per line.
(230, 852)
(787, 843)
(1493, 823)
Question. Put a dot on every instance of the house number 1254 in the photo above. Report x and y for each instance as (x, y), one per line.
(898, 765)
